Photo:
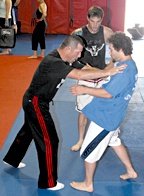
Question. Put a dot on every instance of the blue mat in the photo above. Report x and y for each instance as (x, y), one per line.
(15, 182)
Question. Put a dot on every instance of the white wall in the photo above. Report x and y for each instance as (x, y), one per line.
(134, 13)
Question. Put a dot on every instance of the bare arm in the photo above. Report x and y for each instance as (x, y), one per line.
(77, 31)
(8, 5)
(43, 9)
(94, 73)
(107, 33)
(97, 92)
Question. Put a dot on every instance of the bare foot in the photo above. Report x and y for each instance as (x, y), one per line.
(41, 56)
(32, 57)
(77, 146)
(127, 176)
(4, 52)
(81, 186)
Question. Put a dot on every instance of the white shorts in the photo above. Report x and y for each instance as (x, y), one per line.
(96, 141)
(83, 100)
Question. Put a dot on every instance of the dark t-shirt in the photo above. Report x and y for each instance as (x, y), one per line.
(48, 78)
(94, 53)
(38, 14)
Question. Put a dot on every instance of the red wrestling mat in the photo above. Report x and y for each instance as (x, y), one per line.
(15, 74)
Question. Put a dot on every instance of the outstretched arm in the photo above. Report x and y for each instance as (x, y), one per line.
(94, 73)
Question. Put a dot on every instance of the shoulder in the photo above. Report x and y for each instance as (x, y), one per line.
(107, 32)
(77, 31)
(43, 6)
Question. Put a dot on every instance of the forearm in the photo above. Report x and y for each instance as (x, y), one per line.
(93, 73)
(96, 92)
(8, 5)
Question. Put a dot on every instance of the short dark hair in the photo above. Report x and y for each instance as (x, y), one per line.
(95, 11)
(72, 40)
(120, 41)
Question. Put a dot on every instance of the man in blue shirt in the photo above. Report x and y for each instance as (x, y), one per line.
(106, 112)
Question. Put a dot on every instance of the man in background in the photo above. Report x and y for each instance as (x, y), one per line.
(95, 36)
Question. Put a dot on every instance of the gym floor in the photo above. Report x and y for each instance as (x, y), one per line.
(16, 182)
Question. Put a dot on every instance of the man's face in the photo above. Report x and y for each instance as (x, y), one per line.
(114, 53)
(75, 53)
(94, 24)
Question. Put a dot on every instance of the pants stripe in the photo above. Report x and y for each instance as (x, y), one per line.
(92, 145)
(42, 124)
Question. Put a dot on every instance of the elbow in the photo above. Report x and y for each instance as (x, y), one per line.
(44, 14)
(108, 96)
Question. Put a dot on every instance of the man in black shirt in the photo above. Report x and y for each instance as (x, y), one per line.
(38, 124)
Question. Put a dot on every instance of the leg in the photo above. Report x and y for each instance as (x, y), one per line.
(123, 156)
(19, 146)
(82, 121)
(87, 184)
(34, 43)
(81, 102)
(42, 39)
(46, 141)
(34, 56)
(93, 147)
(42, 54)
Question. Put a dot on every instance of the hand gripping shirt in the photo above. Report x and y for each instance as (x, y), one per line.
(48, 78)
(109, 113)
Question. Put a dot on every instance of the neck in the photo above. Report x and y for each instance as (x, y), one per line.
(62, 54)
(90, 30)
(125, 58)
